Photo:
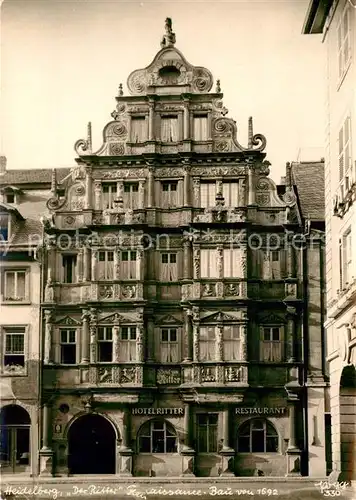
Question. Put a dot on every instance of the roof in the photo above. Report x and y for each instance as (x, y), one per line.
(317, 14)
(308, 177)
(32, 176)
(28, 234)
(10, 208)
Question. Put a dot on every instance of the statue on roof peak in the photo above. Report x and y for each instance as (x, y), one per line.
(169, 38)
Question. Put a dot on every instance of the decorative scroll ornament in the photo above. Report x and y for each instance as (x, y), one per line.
(84, 146)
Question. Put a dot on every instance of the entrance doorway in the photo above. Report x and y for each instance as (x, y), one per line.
(348, 423)
(15, 426)
(91, 446)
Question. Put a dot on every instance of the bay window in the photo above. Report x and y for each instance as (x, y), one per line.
(168, 267)
(271, 344)
(169, 347)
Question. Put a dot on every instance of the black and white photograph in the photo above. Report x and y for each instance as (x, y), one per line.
(178, 249)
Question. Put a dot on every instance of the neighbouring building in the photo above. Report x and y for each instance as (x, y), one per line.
(23, 196)
(336, 21)
(179, 334)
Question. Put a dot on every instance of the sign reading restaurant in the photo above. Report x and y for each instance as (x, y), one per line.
(260, 411)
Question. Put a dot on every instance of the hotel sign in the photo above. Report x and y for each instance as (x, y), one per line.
(260, 411)
(175, 412)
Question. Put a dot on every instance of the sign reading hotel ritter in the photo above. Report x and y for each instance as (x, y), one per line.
(260, 411)
(177, 412)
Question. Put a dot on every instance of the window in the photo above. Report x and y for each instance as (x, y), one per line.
(169, 129)
(257, 436)
(15, 285)
(128, 343)
(169, 348)
(169, 194)
(200, 127)
(14, 352)
(131, 195)
(271, 344)
(207, 343)
(128, 264)
(343, 41)
(207, 194)
(232, 263)
(4, 227)
(230, 194)
(157, 436)
(105, 350)
(208, 263)
(109, 195)
(138, 129)
(207, 432)
(68, 347)
(106, 265)
(271, 265)
(10, 198)
(231, 339)
(345, 161)
(169, 270)
(69, 263)
(347, 258)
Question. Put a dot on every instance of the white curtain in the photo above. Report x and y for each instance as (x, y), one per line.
(169, 352)
(231, 338)
(207, 194)
(128, 350)
(200, 128)
(10, 285)
(208, 263)
(267, 271)
(169, 272)
(230, 193)
(207, 343)
(271, 350)
(138, 129)
(169, 129)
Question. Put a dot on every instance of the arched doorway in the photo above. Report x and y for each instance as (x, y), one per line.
(348, 423)
(15, 426)
(91, 446)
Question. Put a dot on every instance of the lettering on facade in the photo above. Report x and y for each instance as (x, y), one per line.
(177, 412)
(260, 411)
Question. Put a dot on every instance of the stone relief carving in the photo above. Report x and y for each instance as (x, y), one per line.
(207, 374)
(105, 374)
(120, 173)
(106, 291)
(234, 374)
(127, 375)
(208, 290)
(128, 291)
(231, 289)
(117, 149)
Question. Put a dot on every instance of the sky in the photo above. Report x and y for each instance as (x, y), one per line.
(62, 62)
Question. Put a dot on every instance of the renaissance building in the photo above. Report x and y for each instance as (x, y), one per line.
(179, 333)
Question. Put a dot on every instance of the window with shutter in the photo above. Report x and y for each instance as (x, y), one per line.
(208, 263)
(169, 129)
(207, 194)
(138, 129)
(347, 259)
(169, 269)
(207, 343)
(200, 127)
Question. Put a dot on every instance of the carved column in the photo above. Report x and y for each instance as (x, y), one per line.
(196, 321)
(242, 193)
(93, 331)
(125, 451)
(290, 260)
(219, 342)
(220, 262)
(46, 453)
(140, 263)
(85, 337)
(94, 260)
(51, 260)
(80, 264)
(291, 333)
(97, 195)
(196, 262)
(88, 188)
(116, 344)
(251, 186)
(150, 338)
(227, 453)
(151, 121)
(244, 340)
(293, 451)
(150, 188)
(117, 255)
(186, 131)
(47, 355)
(141, 194)
(243, 262)
(196, 192)
(120, 189)
(140, 341)
(218, 187)
(188, 336)
(187, 259)
(187, 451)
(186, 182)
(87, 263)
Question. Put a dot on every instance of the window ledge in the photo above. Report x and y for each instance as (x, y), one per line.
(7, 302)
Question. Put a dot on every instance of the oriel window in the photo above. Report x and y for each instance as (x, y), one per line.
(208, 263)
(271, 344)
(129, 264)
(207, 343)
(169, 270)
(169, 347)
(232, 342)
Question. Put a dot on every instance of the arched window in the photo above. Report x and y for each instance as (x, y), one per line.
(257, 436)
(157, 436)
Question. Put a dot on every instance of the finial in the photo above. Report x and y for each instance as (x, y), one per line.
(250, 133)
(121, 92)
(89, 137)
(169, 39)
(54, 182)
(218, 88)
(288, 175)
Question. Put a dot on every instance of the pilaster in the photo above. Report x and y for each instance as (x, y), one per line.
(227, 453)
(46, 452)
(93, 334)
(187, 452)
(97, 195)
(150, 188)
(47, 355)
(85, 337)
(188, 336)
(125, 453)
(88, 188)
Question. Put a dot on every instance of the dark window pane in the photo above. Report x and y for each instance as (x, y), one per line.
(165, 258)
(125, 256)
(133, 333)
(173, 335)
(258, 424)
(109, 333)
(105, 351)
(63, 335)
(173, 187)
(14, 360)
(164, 335)
(158, 442)
(124, 333)
(245, 430)
(213, 419)
(272, 444)
(158, 425)
(110, 256)
(275, 333)
(165, 187)
(71, 335)
(135, 188)
(171, 446)
(244, 444)
(202, 419)
(173, 258)
(127, 188)
(133, 255)
(213, 439)
(258, 445)
(145, 444)
(101, 256)
(202, 439)
(101, 333)
(68, 355)
(266, 334)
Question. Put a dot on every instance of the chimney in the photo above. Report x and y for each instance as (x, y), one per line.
(3, 162)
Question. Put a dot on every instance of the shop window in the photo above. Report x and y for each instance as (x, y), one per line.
(208, 263)
(207, 343)
(105, 341)
(68, 347)
(231, 339)
(169, 128)
(231, 263)
(207, 194)
(169, 195)
(109, 191)
(14, 348)
(157, 436)
(131, 195)
(230, 194)
(207, 432)
(128, 264)
(169, 347)
(138, 129)
(200, 126)
(106, 265)
(69, 266)
(169, 269)
(271, 344)
(257, 436)
(128, 335)
(15, 285)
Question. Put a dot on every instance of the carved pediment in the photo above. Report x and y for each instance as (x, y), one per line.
(271, 318)
(68, 321)
(168, 319)
(117, 318)
(218, 316)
